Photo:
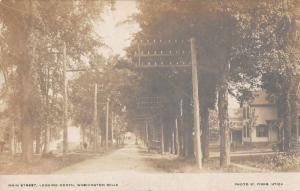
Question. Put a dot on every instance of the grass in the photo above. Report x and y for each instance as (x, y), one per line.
(269, 164)
(47, 164)
(39, 165)
(172, 164)
(260, 162)
(180, 165)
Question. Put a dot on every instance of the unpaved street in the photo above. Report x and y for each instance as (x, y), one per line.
(130, 158)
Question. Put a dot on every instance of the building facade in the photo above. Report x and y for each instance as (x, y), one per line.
(255, 122)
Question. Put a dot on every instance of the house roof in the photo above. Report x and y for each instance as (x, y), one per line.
(261, 98)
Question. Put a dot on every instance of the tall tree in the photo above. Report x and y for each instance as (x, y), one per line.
(268, 41)
(213, 29)
(33, 29)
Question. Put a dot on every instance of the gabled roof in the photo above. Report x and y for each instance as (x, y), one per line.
(261, 98)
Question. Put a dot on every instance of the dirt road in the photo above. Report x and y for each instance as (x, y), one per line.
(130, 158)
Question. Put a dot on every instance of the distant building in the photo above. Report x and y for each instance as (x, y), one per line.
(74, 140)
(255, 122)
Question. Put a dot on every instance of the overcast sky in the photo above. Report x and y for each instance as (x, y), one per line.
(118, 36)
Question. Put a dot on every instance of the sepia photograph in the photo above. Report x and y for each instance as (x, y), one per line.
(149, 95)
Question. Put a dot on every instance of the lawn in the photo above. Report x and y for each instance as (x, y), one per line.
(266, 163)
(39, 165)
(276, 162)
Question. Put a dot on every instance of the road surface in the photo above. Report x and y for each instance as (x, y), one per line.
(130, 158)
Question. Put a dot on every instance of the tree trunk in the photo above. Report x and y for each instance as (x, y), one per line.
(83, 136)
(287, 123)
(147, 134)
(27, 143)
(112, 129)
(177, 144)
(224, 124)
(168, 142)
(294, 116)
(181, 137)
(294, 109)
(46, 129)
(26, 93)
(173, 142)
(190, 143)
(46, 137)
(38, 141)
(182, 128)
(107, 123)
(205, 133)
(90, 135)
(162, 139)
(185, 146)
(12, 138)
(95, 120)
(26, 118)
(65, 102)
(26, 112)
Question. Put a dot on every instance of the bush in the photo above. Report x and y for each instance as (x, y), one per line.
(282, 161)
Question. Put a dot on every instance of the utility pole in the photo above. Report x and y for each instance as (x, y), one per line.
(107, 123)
(95, 117)
(196, 104)
(65, 100)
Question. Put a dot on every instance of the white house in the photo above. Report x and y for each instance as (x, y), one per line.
(255, 122)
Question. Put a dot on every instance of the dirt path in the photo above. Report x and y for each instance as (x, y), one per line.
(133, 158)
(130, 158)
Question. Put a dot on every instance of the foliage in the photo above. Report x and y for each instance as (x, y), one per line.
(33, 33)
(281, 161)
(113, 83)
(225, 34)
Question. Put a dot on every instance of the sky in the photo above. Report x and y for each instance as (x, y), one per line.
(115, 35)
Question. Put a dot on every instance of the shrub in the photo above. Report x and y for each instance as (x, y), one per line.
(282, 161)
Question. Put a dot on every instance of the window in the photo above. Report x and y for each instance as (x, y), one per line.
(262, 131)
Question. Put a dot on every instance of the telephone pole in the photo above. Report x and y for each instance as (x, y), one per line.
(152, 59)
(197, 137)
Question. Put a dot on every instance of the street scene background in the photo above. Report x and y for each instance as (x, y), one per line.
(149, 86)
